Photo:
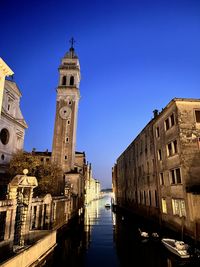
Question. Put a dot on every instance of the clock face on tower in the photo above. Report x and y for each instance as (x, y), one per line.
(65, 112)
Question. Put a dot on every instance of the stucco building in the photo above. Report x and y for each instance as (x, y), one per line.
(92, 186)
(12, 123)
(158, 175)
(12, 130)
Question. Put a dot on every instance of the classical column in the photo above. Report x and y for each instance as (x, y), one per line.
(37, 226)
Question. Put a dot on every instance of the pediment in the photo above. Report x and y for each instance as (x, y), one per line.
(24, 181)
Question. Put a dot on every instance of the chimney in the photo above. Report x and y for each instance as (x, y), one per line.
(155, 113)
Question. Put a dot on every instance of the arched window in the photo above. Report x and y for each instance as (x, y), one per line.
(71, 80)
(64, 80)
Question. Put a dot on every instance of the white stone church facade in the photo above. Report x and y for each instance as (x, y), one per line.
(12, 124)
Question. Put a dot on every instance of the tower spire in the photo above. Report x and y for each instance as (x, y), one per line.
(71, 53)
(72, 42)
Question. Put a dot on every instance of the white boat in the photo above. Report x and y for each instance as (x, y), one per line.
(143, 234)
(107, 205)
(177, 247)
(155, 235)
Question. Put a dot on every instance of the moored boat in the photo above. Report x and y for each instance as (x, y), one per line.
(177, 247)
(107, 205)
(143, 234)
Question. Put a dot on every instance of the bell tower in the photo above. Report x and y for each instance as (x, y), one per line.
(68, 95)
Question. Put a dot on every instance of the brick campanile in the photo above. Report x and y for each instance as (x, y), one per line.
(68, 95)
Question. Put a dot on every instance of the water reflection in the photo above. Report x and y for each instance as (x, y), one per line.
(101, 250)
(104, 238)
(132, 250)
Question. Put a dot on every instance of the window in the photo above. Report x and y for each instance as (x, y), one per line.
(162, 178)
(173, 180)
(67, 139)
(169, 150)
(172, 119)
(178, 176)
(68, 122)
(71, 80)
(4, 136)
(159, 154)
(2, 157)
(156, 198)
(42, 159)
(178, 207)
(167, 124)
(10, 103)
(172, 148)
(164, 205)
(157, 132)
(65, 157)
(175, 148)
(47, 159)
(64, 80)
(175, 176)
(197, 115)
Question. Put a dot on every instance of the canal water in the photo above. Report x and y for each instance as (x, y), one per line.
(103, 238)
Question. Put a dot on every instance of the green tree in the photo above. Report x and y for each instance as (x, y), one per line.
(24, 160)
(48, 174)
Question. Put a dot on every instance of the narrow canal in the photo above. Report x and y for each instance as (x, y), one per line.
(104, 238)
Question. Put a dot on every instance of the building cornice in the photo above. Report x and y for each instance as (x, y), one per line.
(4, 69)
(20, 122)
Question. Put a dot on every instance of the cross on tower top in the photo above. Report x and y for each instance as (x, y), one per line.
(72, 41)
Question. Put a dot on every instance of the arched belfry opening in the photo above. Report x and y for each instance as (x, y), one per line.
(71, 80)
(64, 80)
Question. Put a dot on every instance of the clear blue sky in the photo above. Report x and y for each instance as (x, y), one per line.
(135, 57)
